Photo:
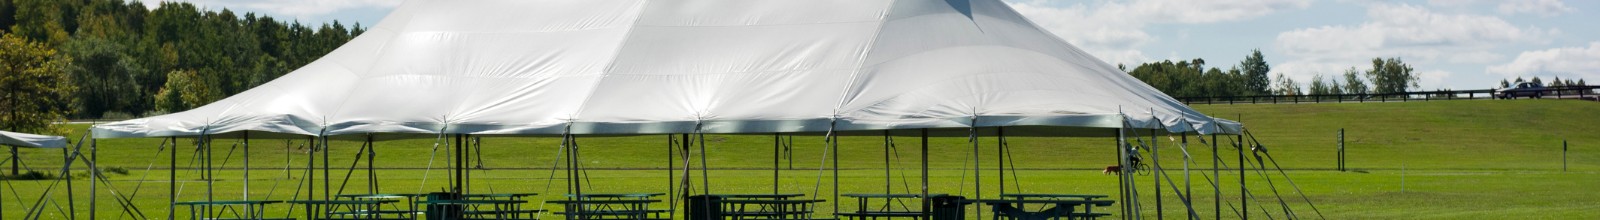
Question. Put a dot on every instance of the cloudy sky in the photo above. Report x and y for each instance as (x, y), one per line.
(1457, 44)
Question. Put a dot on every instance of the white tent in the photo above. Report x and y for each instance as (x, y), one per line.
(542, 67)
(8, 138)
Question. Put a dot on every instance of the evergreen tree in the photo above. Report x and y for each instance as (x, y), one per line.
(1255, 69)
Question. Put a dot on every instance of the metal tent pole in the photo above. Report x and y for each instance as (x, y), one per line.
(833, 149)
(172, 181)
(672, 185)
(887, 180)
(1000, 157)
(777, 148)
(1217, 183)
(1188, 187)
(977, 168)
(327, 180)
(705, 175)
(1122, 168)
(94, 177)
(1155, 158)
(246, 136)
(672, 190)
(1244, 203)
(67, 157)
(205, 142)
(372, 172)
(925, 199)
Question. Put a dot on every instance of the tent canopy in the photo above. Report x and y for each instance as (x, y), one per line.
(8, 138)
(623, 67)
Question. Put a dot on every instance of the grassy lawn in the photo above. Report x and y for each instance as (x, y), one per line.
(1460, 160)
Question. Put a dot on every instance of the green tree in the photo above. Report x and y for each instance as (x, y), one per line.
(1318, 87)
(105, 73)
(36, 85)
(1255, 68)
(1391, 76)
(1537, 81)
(1287, 86)
(1353, 83)
(1505, 84)
(185, 90)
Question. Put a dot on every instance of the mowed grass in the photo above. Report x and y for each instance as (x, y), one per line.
(1416, 160)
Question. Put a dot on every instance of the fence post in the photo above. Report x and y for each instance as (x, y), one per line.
(1341, 150)
(1563, 155)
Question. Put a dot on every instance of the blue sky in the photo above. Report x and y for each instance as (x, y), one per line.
(1456, 44)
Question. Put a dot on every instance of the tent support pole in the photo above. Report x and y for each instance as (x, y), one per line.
(977, 165)
(326, 170)
(1244, 203)
(705, 175)
(1000, 157)
(887, 179)
(1216, 205)
(1188, 187)
(833, 149)
(172, 181)
(1155, 158)
(672, 185)
(94, 177)
(1122, 164)
(66, 155)
(925, 199)
(372, 175)
(246, 143)
(311, 170)
(460, 174)
(205, 142)
(776, 150)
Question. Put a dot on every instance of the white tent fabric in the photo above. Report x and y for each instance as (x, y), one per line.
(541, 67)
(8, 138)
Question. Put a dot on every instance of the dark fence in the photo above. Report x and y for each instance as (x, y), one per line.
(1579, 92)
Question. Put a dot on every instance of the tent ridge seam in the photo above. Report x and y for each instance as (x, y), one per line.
(644, 5)
(861, 61)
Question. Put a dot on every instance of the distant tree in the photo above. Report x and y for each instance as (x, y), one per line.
(1333, 86)
(1519, 80)
(1557, 82)
(1391, 76)
(1353, 83)
(37, 89)
(1318, 87)
(185, 90)
(1505, 84)
(104, 72)
(1287, 86)
(1537, 81)
(1255, 68)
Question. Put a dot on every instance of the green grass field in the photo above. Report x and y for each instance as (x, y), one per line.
(1458, 160)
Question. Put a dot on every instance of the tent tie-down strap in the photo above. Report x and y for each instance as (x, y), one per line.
(1261, 150)
(37, 209)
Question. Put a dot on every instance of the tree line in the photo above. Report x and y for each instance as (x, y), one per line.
(118, 59)
(1250, 77)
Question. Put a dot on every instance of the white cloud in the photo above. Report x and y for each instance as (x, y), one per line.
(1544, 8)
(299, 9)
(1414, 33)
(1115, 30)
(1580, 62)
(1431, 79)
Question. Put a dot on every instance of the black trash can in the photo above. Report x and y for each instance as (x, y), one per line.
(444, 211)
(947, 207)
(703, 207)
